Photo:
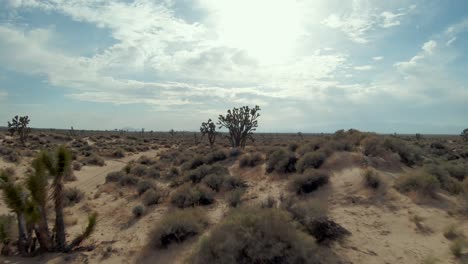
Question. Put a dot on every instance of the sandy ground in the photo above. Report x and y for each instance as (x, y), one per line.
(382, 223)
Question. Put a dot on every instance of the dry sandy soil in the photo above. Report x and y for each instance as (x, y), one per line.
(382, 224)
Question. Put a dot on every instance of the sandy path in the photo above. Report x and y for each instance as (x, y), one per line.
(89, 177)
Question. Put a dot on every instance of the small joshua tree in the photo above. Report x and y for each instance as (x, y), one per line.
(19, 124)
(241, 123)
(464, 134)
(209, 128)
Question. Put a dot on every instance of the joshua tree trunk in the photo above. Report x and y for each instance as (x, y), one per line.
(42, 234)
(22, 239)
(59, 223)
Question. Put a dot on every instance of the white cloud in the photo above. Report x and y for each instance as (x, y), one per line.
(390, 19)
(363, 68)
(378, 58)
(362, 20)
(429, 46)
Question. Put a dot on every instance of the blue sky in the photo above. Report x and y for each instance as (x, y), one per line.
(312, 66)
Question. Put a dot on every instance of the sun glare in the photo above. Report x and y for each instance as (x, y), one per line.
(266, 30)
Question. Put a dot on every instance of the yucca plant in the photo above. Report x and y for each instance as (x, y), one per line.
(13, 197)
(57, 166)
(92, 221)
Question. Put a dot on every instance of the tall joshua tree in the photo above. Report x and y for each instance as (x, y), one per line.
(241, 123)
(19, 124)
(58, 167)
(209, 128)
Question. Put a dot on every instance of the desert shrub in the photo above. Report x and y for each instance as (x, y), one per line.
(310, 160)
(76, 165)
(176, 227)
(372, 179)
(215, 156)
(72, 196)
(420, 181)
(115, 176)
(118, 153)
(373, 146)
(281, 161)
(293, 147)
(312, 146)
(438, 145)
(233, 182)
(138, 170)
(457, 171)
(188, 196)
(151, 197)
(145, 160)
(196, 162)
(447, 183)
(234, 152)
(214, 181)
(250, 160)
(338, 145)
(172, 173)
(138, 210)
(153, 172)
(451, 232)
(94, 160)
(197, 175)
(13, 157)
(308, 182)
(410, 155)
(128, 180)
(234, 198)
(143, 186)
(256, 236)
(457, 247)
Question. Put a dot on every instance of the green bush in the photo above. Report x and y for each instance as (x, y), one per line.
(138, 170)
(234, 198)
(176, 227)
(215, 156)
(308, 182)
(143, 186)
(250, 160)
(115, 176)
(420, 181)
(197, 175)
(72, 196)
(310, 160)
(190, 196)
(196, 162)
(151, 197)
(128, 180)
(256, 236)
(372, 179)
(138, 210)
(447, 182)
(281, 161)
(153, 172)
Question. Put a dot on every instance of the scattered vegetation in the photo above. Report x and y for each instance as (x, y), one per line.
(177, 227)
(281, 161)
(308, 182)
(190, 196)
(420, 182)
(250, 160)
(256, 236)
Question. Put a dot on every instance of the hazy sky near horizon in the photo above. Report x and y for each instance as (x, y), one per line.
(312, 66)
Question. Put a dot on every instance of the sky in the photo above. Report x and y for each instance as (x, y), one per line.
(312, 66)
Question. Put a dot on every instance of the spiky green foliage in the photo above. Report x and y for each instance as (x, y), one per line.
(464, 134)
(209, 128)
(19, 124)
(241, 123)
(92, 222)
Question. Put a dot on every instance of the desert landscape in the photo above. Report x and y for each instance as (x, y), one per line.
(238, 197)
(234, 132)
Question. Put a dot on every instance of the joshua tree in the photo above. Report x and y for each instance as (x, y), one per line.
(299, 134)
(31, 208)
(172, 132)
(209, 128)
(57, 168)
(14, 199)
(241, 122)
(19, 124)
(464, 134)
